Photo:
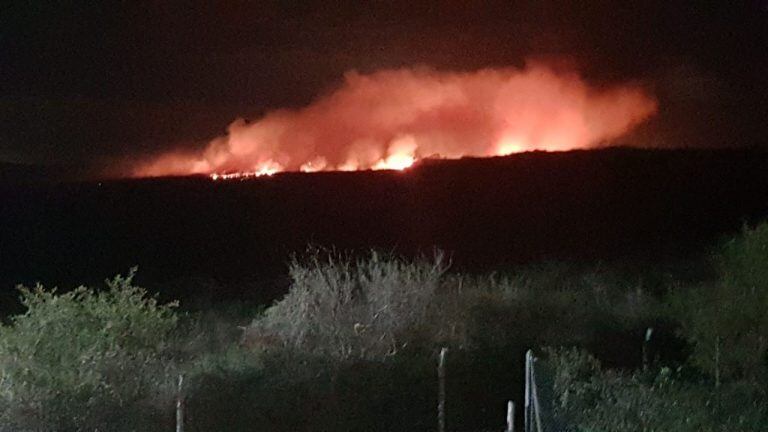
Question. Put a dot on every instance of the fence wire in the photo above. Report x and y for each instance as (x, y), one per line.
(539, 411)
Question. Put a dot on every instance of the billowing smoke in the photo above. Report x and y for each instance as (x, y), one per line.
(392, 118)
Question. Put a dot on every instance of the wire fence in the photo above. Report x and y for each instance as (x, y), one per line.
(540, 414)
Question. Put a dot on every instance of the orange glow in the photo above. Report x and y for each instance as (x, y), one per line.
(397, 162)
(401, 154)
(268, 168)
(393, 118)
(509, 145)
(315, 165)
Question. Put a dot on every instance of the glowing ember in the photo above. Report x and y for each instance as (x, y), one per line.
(266, 169)
(239, 175)
(392, 119)
(317, 164)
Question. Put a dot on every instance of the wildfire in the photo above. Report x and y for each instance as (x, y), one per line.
(267, 169)
(392, 119)
(239, 175)
(509, 145)
(401, 154)
(397, 162)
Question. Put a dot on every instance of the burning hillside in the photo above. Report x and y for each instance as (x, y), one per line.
(393, 118)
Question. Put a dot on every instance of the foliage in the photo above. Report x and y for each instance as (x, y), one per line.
(592, 399)
(375, 307)
(352, 309)
(85, 359)
(354, 335)
(556, 305)
(725, 321)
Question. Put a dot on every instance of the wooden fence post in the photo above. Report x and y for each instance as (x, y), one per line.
(180, 406)
(441, 391)
(646, 341)
(527, 395)
(510, 416)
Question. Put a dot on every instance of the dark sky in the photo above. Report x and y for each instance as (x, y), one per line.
(90, 82)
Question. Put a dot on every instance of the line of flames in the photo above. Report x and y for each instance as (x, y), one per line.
(393, 162)
(396, 162)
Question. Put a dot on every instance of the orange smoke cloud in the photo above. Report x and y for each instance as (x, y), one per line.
(392, 118)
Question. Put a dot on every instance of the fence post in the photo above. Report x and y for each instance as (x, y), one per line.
(441, 391)
(646, 341)
(527, 395)
(510, 416)
(180, 406)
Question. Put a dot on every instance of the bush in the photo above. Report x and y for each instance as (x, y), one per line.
(589, 398)
(726, 321)
(346, 309)
(556, 305)
(86, 360)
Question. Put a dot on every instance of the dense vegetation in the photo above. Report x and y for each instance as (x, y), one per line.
(721, 387)
(352, 346)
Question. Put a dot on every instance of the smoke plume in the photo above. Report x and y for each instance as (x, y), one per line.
(392, 118)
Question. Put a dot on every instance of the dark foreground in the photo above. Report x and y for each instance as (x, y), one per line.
(582, 206)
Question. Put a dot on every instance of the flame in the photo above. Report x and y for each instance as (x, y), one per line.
(509, 145)
(391, 119)
(315, 165)
(268, 168)
(397, 162)
(401, 154)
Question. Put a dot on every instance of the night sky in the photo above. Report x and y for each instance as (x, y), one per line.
(95, 82)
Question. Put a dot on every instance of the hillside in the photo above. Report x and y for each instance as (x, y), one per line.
(609, 205)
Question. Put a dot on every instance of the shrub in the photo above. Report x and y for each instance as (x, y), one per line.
(725, 321)
(564, 306)
(589, 398)
(86, 360)
(346, 309)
